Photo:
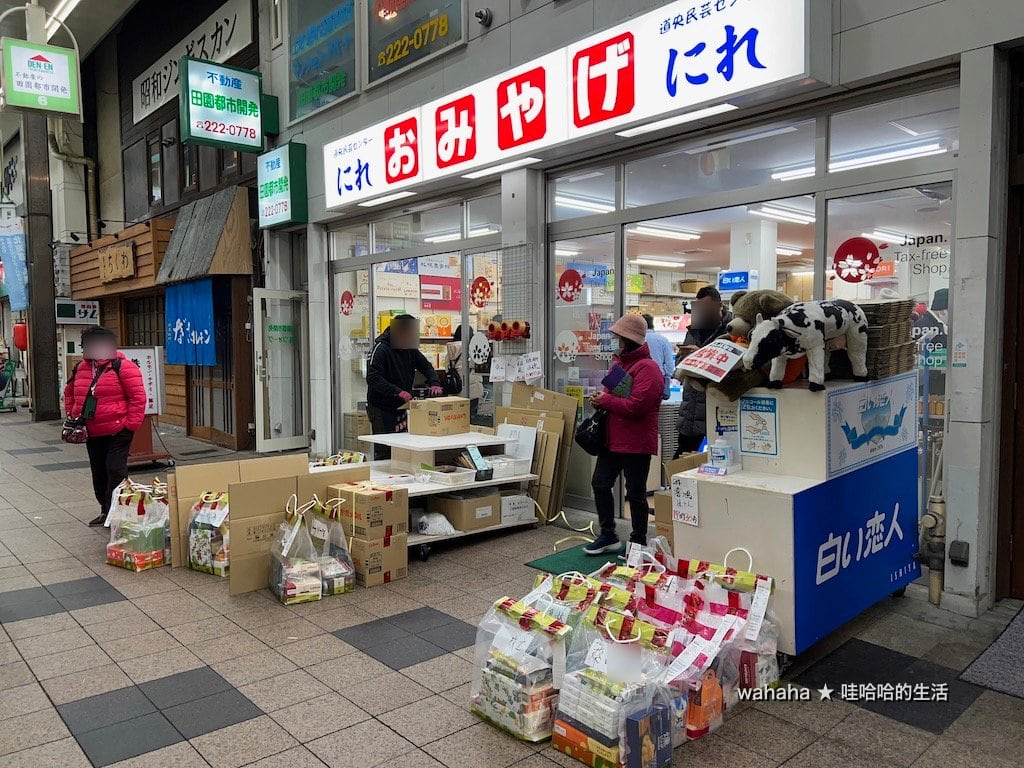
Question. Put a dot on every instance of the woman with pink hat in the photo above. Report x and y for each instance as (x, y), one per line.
(632, 403)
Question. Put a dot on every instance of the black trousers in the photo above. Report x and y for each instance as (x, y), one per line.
(386, 423)
(689, 444)
(108, 460)
(635, 467)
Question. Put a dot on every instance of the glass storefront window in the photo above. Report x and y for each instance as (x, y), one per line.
(736, 160)
(923, 125)
(322, 54)
(350, 242)
(582, 193)
(484, 216)
(436, 225)
(353, 338)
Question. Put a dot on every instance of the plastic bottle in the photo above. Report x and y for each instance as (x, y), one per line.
(722, 453)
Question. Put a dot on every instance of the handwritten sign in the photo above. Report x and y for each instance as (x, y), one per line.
(117, 262)
(531, 366)
(684, 500)
(714, 361)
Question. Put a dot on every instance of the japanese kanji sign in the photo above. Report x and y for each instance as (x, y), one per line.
(42, 77)
(70, 312)
(224, 33)
(714, 361)
(13, 257)
(403, 33)
(281, 186)
(322, 54)
(220, 105)
(681, 57)
(150, 362)
(759, 425)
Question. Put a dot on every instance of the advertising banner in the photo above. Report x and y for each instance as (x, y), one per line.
(13, 257)
(189, 336)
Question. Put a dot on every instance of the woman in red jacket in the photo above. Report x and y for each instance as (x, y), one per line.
(632, 435)
(106, 388)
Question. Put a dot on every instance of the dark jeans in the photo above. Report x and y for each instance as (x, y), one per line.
(635, 467)
(108, 460)
(689, 444)
(385, 423)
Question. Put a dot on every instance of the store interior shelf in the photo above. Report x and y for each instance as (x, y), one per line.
(430, 443)
(380, 472)
(671, 295)
(419, 539)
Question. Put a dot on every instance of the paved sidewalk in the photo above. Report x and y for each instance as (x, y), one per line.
(100, 666)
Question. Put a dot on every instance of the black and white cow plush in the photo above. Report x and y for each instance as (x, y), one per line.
(803, 329)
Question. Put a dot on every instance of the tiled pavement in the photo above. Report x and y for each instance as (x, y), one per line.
(99, 666)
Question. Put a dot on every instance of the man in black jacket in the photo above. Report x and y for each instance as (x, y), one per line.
(394, 361)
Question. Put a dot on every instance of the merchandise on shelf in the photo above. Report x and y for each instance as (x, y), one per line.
(208, 539)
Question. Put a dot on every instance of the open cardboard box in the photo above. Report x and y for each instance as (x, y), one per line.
(684, 463)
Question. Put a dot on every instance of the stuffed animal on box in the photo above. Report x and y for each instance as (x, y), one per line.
(804, 329)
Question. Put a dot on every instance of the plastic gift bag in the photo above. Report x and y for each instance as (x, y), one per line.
(337, 572)
(518, 666)
(750, 663)
(209, 544)
(294, 570)
(566, 596)
(138, 527)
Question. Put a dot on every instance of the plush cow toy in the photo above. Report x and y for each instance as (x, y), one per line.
(805, 328)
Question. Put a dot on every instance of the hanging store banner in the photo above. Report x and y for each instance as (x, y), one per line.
(281, 186)
(13, 257)
(220, 105)
(188, 308)
(41, 77)
(224, 33)
(680, 59)
(404, 33)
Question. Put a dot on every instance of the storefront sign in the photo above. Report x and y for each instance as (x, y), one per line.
(679, 58)
(40, 77)
(869, 422)
(730, 282)
(221, 36)
(116, 262)
(77, 312)
(858, 553)
(189, 336)
(322, 54)
(402, 33)
(857, 260)
(281, 186)
(13, 257)
(220, 105)
(149, 361)
(759, 426)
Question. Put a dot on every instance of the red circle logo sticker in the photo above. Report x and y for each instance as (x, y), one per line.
(856, 260)
(570, 286)
(480, 291)
(348, 301)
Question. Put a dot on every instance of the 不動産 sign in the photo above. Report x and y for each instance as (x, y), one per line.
(281, 186)
(41, 77)
(220, 105)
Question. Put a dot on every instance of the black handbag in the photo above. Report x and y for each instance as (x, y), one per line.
(592, 433)
(452, 380)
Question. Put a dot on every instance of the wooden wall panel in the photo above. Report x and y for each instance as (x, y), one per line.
(150, 241)
(175, 407)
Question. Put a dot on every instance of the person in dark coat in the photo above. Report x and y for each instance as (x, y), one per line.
(709, 319)
(390, 375)
(632, 436)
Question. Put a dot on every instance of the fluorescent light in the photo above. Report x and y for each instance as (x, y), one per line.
(578, 177)
(447, 237)
(668, 234)
(385, 199)
(61, 12)
(582, 204)
(659, 263)
(888, 237)
(668, 122)
(566, 252)
(794, 173)
(501, 168)
(785, 250)
(742, 139)
(783, 214)
(878, 158)
(803, 273)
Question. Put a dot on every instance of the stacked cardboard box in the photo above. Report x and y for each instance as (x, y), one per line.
(377, 517)
(439, 416)
(357, 423)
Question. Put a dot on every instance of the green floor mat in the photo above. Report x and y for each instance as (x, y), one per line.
(573, 559)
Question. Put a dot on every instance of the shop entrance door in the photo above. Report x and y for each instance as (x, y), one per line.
(281, 369)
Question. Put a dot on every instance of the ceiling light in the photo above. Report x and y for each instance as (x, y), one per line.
(447, 237)
(668, 234)
(783, 214)
(785, 250)
(566, 252)
(803, 273)
(583, 204)
(659, 263)
(578, 177)
(892, 155)
(668, 122)
(794, 173)
(888, 237)
(731, 142)
(60, 13)
(385, 199)
(523, 161)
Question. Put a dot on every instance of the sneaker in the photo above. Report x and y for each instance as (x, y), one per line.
(606, 542)
(98, 520)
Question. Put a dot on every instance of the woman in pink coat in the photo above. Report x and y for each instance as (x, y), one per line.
(106, 388)
(632, 435)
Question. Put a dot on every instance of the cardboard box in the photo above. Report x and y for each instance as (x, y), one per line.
(439, 416)
(542, 495)
(257, 511)
(318, 483)
(663, 515)
(289, 465)
(468, 510)
(517, 506)
(372, 511)
(380, 561)
(684, 463)
(571, 740)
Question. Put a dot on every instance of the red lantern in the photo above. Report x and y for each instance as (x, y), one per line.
(21, 336)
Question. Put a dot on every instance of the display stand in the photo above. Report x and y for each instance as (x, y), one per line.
(423, 448)
(141, 450)
(826, 501)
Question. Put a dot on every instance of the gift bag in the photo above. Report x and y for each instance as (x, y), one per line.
(566, 596)
(294, 570)
(337, 572)
(208, 538)
(519, 661)
(138, 528)
(750, 663)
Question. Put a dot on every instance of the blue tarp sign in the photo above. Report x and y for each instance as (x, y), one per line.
(188, 309)
(13, 257)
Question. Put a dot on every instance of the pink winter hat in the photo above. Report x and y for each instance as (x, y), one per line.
(632, 327)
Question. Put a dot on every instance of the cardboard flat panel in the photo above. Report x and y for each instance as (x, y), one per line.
(318, 483)
(193, 480)
(274, 466)
(257, 510)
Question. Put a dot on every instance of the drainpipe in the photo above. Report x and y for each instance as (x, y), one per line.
(89, 164)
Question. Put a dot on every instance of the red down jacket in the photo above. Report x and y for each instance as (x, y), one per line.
(633, 420)
(120, 397)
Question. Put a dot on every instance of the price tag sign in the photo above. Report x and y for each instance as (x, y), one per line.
(531, 366)
(684, 500)
(758, 607)
(498, 368)
(714, 361)
(597, 656)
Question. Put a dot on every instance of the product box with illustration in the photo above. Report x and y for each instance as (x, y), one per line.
(380, 561)
(468, 510)
(372, 511)
(439, 416)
